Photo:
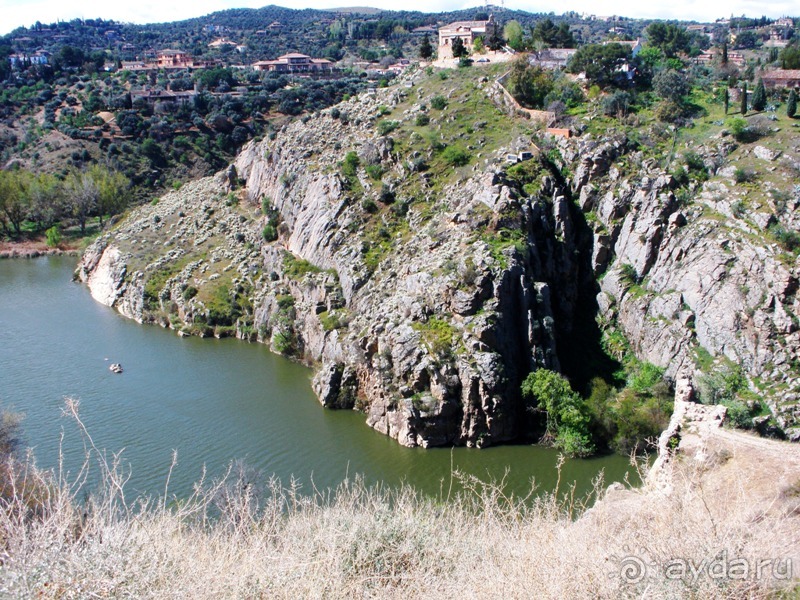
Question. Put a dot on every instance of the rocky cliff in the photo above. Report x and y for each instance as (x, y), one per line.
(422, 296)
(423, 284)
(692, 269)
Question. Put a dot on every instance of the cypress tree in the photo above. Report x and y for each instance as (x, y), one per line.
(744, 98)
(459, 49)
(725, 53)
(759, 96)
(725, 100)
(791, 105)
(425, 48)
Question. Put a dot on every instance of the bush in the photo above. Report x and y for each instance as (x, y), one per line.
(567, 414)
(455, 156)
(742, 175)
(422, 119)
(439, 102)
(386, 127)
(53, 236)
(269, 233)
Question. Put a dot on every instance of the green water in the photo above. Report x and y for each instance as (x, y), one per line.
(213, 401)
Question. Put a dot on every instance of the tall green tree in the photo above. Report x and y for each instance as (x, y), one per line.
(112, 191)
(759, 96)
(744, 98)
(601, 63)
(528, 84)
(567, 415)
(513, 34)
(494, 41)
(668, 37)
(425, 48)
(14, 200)
(459, 49)
(791, 105)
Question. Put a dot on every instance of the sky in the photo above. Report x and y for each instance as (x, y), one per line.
(16, 13)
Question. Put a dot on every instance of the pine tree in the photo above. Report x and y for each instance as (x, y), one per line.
(791, 105)
(759, 96)
(744, 98)
(425, 48)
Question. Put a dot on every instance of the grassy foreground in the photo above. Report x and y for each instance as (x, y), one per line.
(238, 538)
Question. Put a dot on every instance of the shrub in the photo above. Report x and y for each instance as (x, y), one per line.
(386, 127)
(350, 164)
(374, 171)
(567, 414)
(269, 233)
(455, 156)
(439, 102)
(422, 119)
(53, 236)
(742, 175)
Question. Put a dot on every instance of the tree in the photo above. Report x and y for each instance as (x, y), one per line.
(725, 53)
(112, 189)
(668, 37)
(671, 85)
(494, 41)
(14, 199)
(528, 84)
(425, 48)
(552, 36)
(744, 98)
(759, 96)
(82, 197)
(602, 63)
(747, 39)
(726, 100)
(567, 415)
(790, 57)
(513, 34)
(791, 105)
(46, 201)
(459, 49)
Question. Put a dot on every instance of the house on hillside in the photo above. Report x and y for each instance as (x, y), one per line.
(709, 56)
(221, 43)
(174, 59)
(468, 31)
(295, 63)
(781, 79)
(635, 46)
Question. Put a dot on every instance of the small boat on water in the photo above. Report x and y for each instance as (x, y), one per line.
(115, 368)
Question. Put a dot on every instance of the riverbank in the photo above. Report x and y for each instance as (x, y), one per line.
(33, 248)
(718, 521)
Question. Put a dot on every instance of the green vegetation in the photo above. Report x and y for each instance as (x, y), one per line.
(438, 335)
(297, 268)
(567, 416)
(455, 156)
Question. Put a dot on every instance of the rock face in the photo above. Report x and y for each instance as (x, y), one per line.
(425, 314)
(424, 297)
(686, 279)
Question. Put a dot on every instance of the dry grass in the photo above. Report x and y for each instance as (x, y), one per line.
(241, 538)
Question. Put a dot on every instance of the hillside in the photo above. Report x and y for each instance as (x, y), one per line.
(388, 243)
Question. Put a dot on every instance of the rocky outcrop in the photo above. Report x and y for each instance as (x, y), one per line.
(424, 308)
(683, 279)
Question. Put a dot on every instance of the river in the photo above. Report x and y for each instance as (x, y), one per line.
(213, 401)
